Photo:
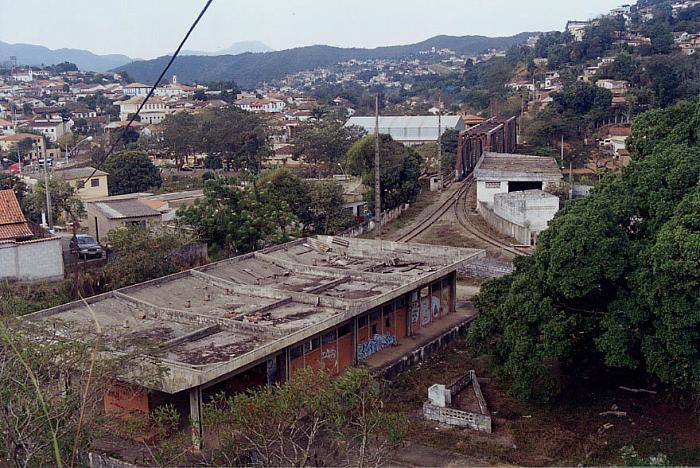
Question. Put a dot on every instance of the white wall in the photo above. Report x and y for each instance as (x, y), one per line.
(484, 194)
(532, 211)
(33, 260)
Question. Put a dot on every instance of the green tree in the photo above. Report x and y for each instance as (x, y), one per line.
(400, 170)
(325, 145)
(131, 172)
(142, 254)
(63, 199)
(613, 281)
(326, 205)
(181, 136)
(237, 218)
(279, 187)
(314, 419)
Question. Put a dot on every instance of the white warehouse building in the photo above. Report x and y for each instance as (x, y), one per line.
(410, 130)
(511, 193)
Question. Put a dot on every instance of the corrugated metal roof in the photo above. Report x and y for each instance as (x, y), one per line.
(409, 127)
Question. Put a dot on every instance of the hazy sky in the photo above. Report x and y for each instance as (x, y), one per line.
(149, 28)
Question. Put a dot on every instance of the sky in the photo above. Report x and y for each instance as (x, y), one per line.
(150, 28)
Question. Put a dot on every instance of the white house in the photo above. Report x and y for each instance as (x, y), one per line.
(615, 86)
(52, 129)
(153, 112)
(136, 89)
(24, 253)
(577, 29)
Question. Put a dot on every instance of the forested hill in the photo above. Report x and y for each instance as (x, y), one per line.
(249, 70)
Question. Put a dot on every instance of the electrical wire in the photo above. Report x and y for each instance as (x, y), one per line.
(148, 96)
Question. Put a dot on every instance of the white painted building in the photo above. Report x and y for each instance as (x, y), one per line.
(153, 112)
(136, 89)
(497, 173)
(533, 209)
(577, 29)
(52, 129)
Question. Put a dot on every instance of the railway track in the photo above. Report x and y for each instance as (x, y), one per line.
(462, 214)
(437, 214)
(459, 201)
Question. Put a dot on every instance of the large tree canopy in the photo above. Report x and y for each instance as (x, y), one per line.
(614, 280)
(400, 170)
(131, 172)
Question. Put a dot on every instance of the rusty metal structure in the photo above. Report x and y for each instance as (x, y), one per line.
(498, 136)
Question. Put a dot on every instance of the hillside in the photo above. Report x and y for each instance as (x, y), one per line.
(29, 54)
(249, 70)
(234, 49)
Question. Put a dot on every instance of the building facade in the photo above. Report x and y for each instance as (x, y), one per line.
(324, 303)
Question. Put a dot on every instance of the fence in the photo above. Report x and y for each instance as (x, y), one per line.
(368, 224)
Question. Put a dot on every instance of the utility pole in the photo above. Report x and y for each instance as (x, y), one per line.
(49, 217)
(377, 175)
(562, 150)
(439, 144)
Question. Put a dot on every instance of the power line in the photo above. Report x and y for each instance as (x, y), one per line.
(148, 96)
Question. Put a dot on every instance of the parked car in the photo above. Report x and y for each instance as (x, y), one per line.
(87, 246)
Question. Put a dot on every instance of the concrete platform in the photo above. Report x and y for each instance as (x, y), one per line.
(413, 349)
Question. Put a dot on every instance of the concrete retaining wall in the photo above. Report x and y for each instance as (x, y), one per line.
(40, 259)
(519, 233)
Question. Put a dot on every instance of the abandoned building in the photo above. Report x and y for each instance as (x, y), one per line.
(324, 303)
(511, 193)
(504, 173)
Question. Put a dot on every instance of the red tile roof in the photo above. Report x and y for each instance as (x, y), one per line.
(13, 224)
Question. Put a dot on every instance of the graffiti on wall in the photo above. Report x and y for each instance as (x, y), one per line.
(424, 311)
(435, 305)
(328, 353)
(376, 343)
(414, 308)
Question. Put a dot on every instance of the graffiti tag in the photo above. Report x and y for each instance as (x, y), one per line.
(376, 343)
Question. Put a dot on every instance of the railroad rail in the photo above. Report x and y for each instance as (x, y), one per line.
(462, 215)
(437, 214)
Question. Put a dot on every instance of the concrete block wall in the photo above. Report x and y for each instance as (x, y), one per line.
(531, 209)
(520, 233)
(41, 259)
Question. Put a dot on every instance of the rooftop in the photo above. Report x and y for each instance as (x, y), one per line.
(78, 173)
(13, 224)
(126, 208)
(206, 323)
(524, 167)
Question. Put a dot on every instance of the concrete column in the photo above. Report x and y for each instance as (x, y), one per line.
(354, 341)
(196, 417)
(271, 370)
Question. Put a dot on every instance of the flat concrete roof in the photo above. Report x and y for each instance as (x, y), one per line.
(517, 167)
(208, 323)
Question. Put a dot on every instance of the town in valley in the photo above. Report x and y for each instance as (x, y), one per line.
(474, 249)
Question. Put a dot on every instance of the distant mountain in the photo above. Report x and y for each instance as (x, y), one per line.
(249, 70)
(234, 49)
(29, 54)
